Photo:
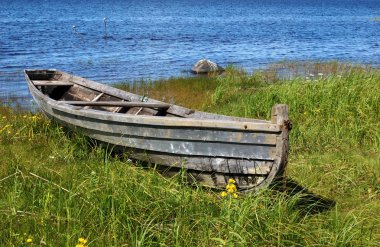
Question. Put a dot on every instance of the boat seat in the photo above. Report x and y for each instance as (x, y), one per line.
(51, 83)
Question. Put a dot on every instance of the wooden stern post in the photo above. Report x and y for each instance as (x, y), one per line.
(280, 116)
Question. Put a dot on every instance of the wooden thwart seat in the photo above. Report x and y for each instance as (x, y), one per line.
(118, 103)
(51, 83)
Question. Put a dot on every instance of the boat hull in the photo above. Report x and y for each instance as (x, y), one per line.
(209, 149)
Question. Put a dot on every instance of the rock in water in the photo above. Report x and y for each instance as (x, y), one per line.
(205, 66)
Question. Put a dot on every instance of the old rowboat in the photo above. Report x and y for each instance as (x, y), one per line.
(211, 148)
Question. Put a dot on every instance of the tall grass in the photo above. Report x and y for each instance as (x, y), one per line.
(194, 92)
(56, 186)
(327, 113)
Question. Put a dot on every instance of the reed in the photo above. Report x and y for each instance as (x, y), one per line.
(193, 92)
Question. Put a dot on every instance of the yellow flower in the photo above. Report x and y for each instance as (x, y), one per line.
(29, 240)
(231, 188)
(79, 245)
(82, 241)
(231, 181)
(223, 194)
(235, 195)
(230, 191)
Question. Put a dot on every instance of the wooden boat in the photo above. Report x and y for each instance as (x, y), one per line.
(211, 148)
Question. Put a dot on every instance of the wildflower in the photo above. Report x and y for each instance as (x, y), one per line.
(305, 113)
(320, 74)
(29, 240)
(231, 189)
(82, 242)
(5, 128)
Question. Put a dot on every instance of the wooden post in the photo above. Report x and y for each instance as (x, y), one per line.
(280, 113)
(280, 116)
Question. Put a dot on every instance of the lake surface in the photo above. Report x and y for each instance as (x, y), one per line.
(156, 39)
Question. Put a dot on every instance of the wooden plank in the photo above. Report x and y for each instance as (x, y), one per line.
(188, 147)
(170, 132)
(94, 99)
(98, 116)
(51, 83)
(97, 97)
(245, 183)
(206, 164)
(116, 103)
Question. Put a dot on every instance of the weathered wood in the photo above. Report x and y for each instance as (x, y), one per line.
(185, 147)
(114, 127)
(170, 121)
(280, 114)
(212, 148)
(94, 99)
(208, 164)
(217, 180)
(117, 103)
(97, 97)
(51, 83)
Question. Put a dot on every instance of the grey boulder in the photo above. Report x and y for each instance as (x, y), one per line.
(204, 66)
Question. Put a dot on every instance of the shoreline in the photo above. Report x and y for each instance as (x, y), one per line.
(19, 96)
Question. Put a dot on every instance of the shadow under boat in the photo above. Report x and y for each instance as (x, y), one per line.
(307, 202)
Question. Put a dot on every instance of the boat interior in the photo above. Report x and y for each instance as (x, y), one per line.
(56, 86)
(85, 94)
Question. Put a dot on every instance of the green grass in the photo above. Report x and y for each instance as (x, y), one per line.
(57, 187)
(331, 112)
(194, 92)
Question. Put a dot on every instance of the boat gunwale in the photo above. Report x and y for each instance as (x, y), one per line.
(221, 124)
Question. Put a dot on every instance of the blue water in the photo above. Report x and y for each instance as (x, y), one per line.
(162, 38)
